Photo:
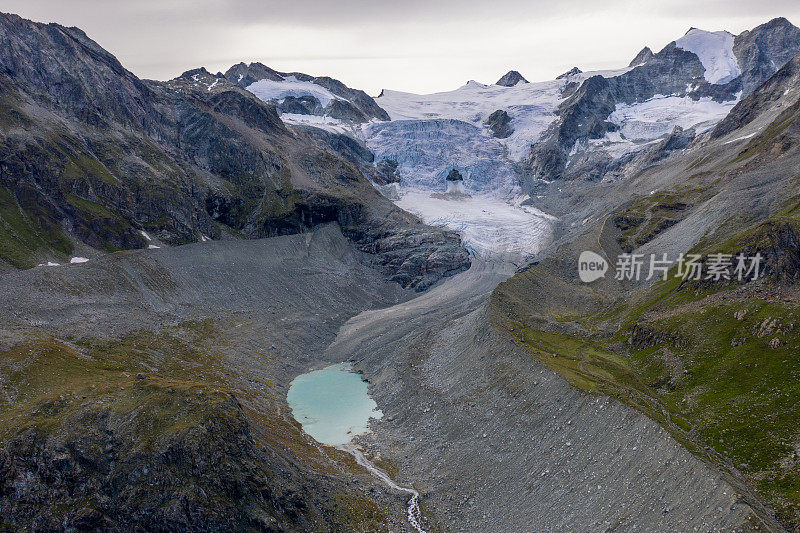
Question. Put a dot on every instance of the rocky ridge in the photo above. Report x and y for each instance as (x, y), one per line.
(584, 115)
(91, 154)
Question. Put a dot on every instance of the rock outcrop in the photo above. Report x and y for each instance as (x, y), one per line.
(642, 57)
(511, 78)
(355, 105)
(499, 123)
(571, 72)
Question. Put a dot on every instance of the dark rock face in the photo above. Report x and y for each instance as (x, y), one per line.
(243, 75)
(359, 106)
(583, 115)
(303, 105)
(344, 110)
(675, 141)
(778, 243)
(511, 78)
(760, 100)
(454, 175)
(98, 475)
(387, 169)
(358, 98)
(96, 153)
(500, 124)
(571, 72)
(642, 57)
(764, 50)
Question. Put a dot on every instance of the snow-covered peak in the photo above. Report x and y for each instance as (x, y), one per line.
(715, 50)
(531, 106)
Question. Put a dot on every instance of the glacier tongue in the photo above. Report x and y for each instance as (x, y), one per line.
(487, 214)
(488, 225)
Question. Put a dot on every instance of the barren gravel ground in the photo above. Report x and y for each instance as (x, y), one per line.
(495, 442)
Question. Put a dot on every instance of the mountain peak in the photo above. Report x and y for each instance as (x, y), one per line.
(571, 72)
(194, 72)
(778, 21)
(715, 51)
(511, 78)
(642, 57)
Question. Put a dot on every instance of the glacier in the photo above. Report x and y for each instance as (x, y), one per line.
(429, 135)
(715, 50)
(270, 90)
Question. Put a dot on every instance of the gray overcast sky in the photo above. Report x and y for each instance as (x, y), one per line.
(413, 45)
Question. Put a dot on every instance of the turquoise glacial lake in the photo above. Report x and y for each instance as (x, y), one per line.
(332, 404)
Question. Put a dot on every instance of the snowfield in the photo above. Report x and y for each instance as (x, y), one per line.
(277, 90)
(658, 116)
(646, 122)
(324, 122)
(531, 107)
(715, 50)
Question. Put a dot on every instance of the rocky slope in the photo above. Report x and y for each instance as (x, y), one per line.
(511, 78)
(713, 362)
(146, 390)
(90, 153)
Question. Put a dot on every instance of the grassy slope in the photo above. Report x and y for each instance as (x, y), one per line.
(716, 364)
(154, 390)
(23, 235)
(720, 371)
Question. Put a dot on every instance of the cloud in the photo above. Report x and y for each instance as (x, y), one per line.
(417, 45)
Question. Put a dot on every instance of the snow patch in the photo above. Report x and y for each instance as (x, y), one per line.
(153, 247)
(324, 122)
(715, 50)
(269, 90)
(742, 138)
(145, 235)
(78, 260)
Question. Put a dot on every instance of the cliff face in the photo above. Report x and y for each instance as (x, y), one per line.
(89, 152)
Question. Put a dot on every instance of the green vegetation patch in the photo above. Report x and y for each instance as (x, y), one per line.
(48, 383)
(651, 215)
(23, 234)
(716, 364)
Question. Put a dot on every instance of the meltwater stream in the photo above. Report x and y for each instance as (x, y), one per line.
(333, 406)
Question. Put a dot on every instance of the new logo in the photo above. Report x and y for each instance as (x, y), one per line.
(591, 266)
